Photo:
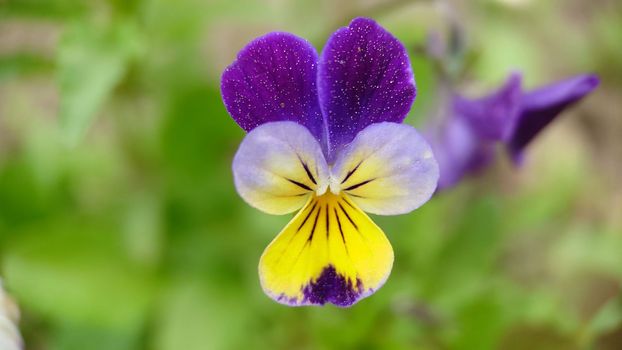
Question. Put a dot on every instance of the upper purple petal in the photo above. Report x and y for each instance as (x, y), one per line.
(364, 77)
(274, 79)
(541, 106)
(493, 117)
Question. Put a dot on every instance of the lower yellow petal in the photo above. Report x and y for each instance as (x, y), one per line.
(331, 251)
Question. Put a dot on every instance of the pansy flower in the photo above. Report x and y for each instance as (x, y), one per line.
(325, 138)
(465, 140)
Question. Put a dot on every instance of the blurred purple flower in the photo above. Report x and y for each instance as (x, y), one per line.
(465, 140)
(539, 108)
(325, 135)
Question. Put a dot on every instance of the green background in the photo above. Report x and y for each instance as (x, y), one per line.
(120, 227)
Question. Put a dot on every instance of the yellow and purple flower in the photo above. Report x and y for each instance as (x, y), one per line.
(464, 141)
(325, 134)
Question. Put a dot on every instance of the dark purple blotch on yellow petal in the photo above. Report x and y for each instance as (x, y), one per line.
(331, 287)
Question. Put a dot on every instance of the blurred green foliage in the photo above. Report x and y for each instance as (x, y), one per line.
(120, 227)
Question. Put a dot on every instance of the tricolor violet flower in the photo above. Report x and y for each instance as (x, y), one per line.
(465, 140)
(325, 135)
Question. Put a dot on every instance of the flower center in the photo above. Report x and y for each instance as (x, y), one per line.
(334, 184)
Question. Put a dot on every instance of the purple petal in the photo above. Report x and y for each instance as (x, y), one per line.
(493, 117)
(274, 79)
(364, 78)
(459, 151)
(541, 106)
(464, 144)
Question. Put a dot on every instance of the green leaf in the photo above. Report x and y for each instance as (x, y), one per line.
(481, 323)
(92, 60)
(194, 316)
(468, 254)
(76, 274)
(79, 337)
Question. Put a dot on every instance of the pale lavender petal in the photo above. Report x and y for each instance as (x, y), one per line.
(388, 169)
(274, 79)
(278, 166)
(541, 106)
(493, 117)
(364, 78)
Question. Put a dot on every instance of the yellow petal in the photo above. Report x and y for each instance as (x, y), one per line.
(331, 251)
